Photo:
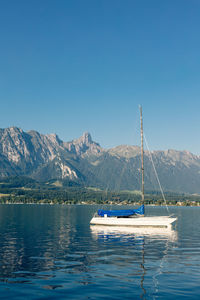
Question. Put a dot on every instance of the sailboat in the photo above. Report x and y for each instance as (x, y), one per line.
(133, 217)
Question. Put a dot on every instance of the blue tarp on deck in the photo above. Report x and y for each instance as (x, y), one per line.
(121, 212)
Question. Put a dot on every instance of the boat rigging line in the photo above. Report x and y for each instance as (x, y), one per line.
(156, 174)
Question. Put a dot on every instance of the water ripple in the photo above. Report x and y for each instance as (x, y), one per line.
(52, 252)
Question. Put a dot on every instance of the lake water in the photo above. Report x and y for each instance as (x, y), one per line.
(51, 252)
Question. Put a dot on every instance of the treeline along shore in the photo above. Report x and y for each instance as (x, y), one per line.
(23, 190)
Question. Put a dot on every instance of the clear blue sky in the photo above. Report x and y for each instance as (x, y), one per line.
(69, 66)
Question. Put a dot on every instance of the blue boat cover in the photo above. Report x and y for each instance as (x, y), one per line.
(121, 212)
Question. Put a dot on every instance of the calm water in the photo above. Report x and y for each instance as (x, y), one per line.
(50, 252)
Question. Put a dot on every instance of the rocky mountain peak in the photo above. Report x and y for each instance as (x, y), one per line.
(14, 144)
(84, 145)
(87, 139)
(125, 151)
(13, 131)
(54, 138)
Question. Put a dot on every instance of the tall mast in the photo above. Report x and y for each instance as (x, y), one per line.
(142, 153)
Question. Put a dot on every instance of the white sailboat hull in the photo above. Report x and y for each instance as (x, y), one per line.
(154, 221)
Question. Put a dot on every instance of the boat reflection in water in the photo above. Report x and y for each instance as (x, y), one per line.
(128, 231)
(134, 250)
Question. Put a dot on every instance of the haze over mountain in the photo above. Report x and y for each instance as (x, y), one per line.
(46, 157)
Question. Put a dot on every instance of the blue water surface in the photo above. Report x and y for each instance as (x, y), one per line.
(51, 252)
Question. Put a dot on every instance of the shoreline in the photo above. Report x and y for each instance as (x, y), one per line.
(97, 204)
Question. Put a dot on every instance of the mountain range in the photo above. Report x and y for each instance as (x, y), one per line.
(47, 157)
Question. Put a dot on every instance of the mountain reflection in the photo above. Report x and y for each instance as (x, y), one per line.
(37, 240)
(34, 238)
